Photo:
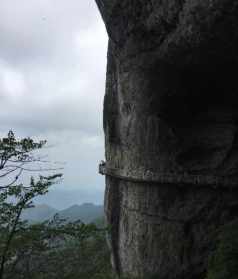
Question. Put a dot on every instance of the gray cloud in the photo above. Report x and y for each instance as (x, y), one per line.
(35, 29)
(52, 75)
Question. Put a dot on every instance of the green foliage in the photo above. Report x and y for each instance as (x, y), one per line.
(224, 262)
(77, 259)
(52, 249)
(18, 150)
(14, 197)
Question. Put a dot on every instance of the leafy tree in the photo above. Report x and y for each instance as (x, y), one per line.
(15, 197)
(34, 251)
(45, 253)
(74, 258)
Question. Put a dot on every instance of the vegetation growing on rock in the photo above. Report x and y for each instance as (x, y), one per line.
(224, 261)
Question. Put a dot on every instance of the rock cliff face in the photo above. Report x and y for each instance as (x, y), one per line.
(170, 122)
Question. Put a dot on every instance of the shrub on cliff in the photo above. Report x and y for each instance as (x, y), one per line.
(224, 262)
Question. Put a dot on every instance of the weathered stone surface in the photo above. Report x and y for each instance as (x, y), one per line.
(170, 109)
(165, 229)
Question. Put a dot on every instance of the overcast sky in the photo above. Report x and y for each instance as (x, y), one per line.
(52, 79)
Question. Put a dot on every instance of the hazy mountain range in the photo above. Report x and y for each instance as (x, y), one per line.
(87, 212)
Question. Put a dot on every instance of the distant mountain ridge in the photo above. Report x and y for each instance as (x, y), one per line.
(86, 212)
(39, 213)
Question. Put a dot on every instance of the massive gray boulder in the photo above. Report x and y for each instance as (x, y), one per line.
(170, 122)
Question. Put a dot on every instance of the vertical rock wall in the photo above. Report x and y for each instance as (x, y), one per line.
(170, 122)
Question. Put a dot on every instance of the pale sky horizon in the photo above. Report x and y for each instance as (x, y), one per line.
(52, 83)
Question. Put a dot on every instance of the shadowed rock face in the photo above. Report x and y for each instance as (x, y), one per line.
(170, 109)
